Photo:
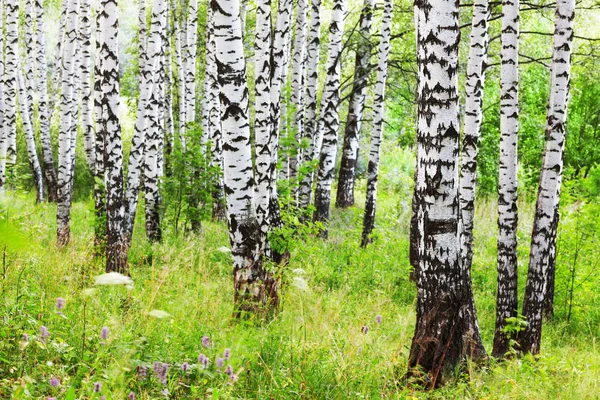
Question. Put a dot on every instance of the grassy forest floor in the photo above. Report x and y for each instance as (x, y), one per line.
(314, 348)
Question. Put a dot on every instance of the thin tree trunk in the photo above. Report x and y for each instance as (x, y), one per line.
(99, 146)
(138, 142)
(169, 125)
(190, 63)
(34, 163)
(350, 147)
(44, 113)
(154, 124)
(117, 244)
(310, 120)
(543, 238)
(507, 301)
(446, 329)
(256, 289)
(262, 122)
(329, 115)
(472, 126)
(297, 95)
(87, 124)
(29, 77)
(68, 122)
(548, 302)
(58, 54)
(10, 81)
(378, 115)
(3, 129)
(180, 49)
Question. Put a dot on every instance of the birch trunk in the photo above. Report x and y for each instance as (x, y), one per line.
(30, 50)
(329, 115)
(34, 163)
(138, 142)
(350, 147)
(169, 125)
(190, 63)
(68, 122)
(297, 96)
(155, 126)
(262, 121)
(99, 178)
(10, 81)
(256, 289)
(378, 119)
(44, 113)
(116, 242)
(3, 129)
(180, 50)
(310, 120)
(472, 127)
(543, 238)
(507, 301)
(87, 124)
(446, 329)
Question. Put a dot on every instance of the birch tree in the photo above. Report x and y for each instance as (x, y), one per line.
(44, 113)
(190, 63)
(543, 238)
(446, 325)
(107, 43)
(10, 81)
(85, 43)
(297, 94)
(478, 46)
(34, 163)
(506, 301)
(155, 125)
(256, 288)
(310, 120)
(3, 127)
(329, 114)
(350, 147)
(68, 122)
(378, 119)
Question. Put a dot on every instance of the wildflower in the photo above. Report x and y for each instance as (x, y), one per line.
(113, 278)
(202, 359)
(131, 396)
(104, 333)
(378, 318)
(102, 397)
(60, 303)
(44, 333)
(233, 377)
(142, 372)
(185, 366)
(226, 353)
(160, 370)
(54, 382)
(205, 341)
(365, 329)
(50, 398)
(159, 314)
(165, 392)
(25, 337)
(97, 387)
(220, 362)
(229, 370)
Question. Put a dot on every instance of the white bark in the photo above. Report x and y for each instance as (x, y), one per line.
(297, 95)
(378, 119)
(87, 124)
(310, 124)
(543, 239)
(190, 63)
(3, 128)
(68, 123)
(180, 49)
(329, 113)
(10, 80)
(30, 139)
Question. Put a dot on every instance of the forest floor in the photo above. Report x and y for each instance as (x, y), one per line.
(314, 348)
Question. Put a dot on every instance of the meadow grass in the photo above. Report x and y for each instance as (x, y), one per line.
(314, 348)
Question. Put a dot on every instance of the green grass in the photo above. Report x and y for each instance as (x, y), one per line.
(312, 349)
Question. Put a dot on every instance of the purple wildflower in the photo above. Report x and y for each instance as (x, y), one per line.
(205, 341)
(378, 318)
(60, 303)
(50, 398)
(44, 333)
(142, 372)
(161, 369)
(229, 370)
(131, 396)
(185, 366)
(227, 353)
(97, 387)
(202, 359)
(25, 337)
(102, 397)
(233, 377)
(365, 329)
(166, 392)
(104, 333)
(220, 362)
(54, 382)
